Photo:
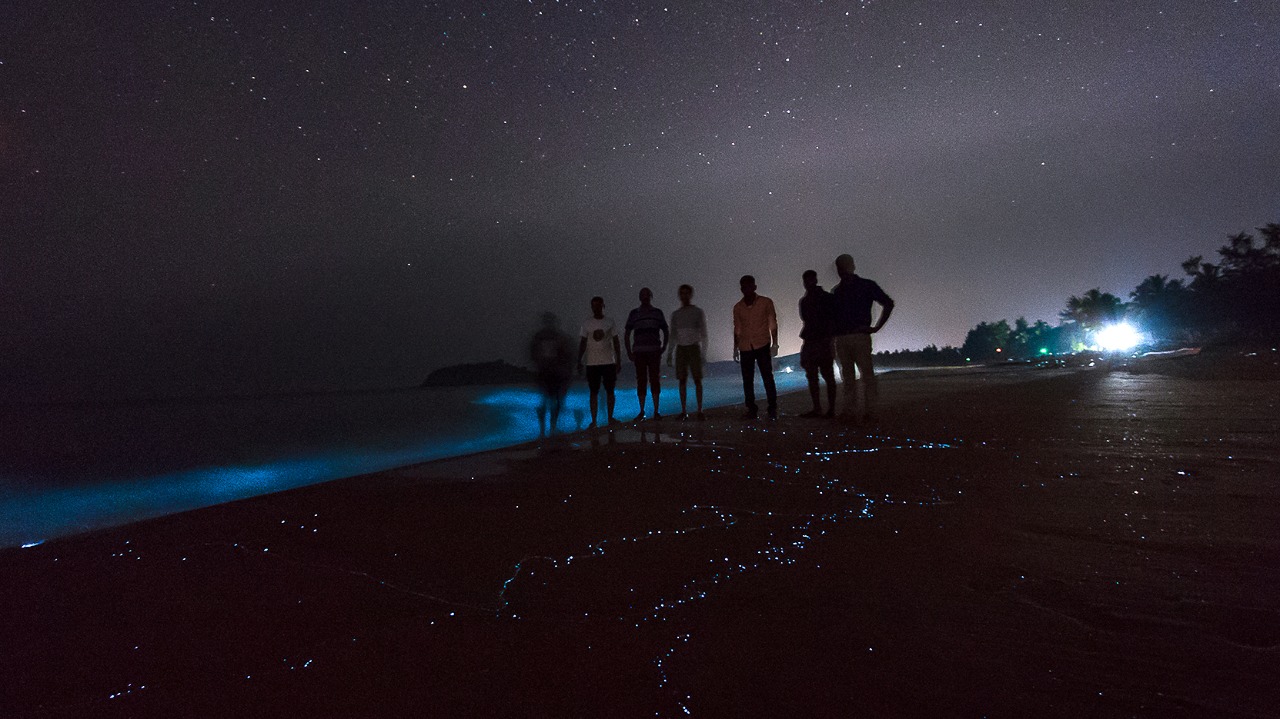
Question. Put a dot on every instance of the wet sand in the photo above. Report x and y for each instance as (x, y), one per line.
(1016, 542)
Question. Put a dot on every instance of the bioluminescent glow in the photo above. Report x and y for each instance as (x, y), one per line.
(483, 419)
(1119, 337)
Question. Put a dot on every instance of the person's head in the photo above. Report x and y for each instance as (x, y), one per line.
(646, 295)
(597, 307)
(810, 279)
(748, 285)
(686, 294)
(844, 265)
(550, 320)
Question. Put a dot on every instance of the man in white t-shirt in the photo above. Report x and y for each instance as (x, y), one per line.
(602, 352)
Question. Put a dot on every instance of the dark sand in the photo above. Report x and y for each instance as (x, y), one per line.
(1008, 543)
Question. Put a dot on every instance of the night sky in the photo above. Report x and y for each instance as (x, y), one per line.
(243, 195)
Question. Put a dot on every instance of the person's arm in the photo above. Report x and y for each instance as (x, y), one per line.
(626, 340)
(773, 320)
(665, 337)
(735, 333)
(886, 309)
(582, 349)
(617, 354)
(702, 335)
(671, 348)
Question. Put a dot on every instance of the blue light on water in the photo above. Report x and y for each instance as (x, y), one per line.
(467, 421)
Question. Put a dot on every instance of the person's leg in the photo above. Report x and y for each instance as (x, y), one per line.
(766, 376)
(867, 374)
(593, 387)
(682, 376)
(811, 374)
(695, 368)
(557, 401)
(655, 380)
(642, 381)
(849, 392)
(829, 374)
(747, 362)
(610, 380)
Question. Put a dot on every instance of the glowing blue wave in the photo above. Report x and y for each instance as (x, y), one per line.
(34, 509)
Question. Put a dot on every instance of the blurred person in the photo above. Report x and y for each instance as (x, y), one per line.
(552, 354)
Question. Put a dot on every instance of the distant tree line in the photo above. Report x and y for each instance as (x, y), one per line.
(1235, 300)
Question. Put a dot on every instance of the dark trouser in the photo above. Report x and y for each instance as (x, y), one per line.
(648, 372)
(763, 357)
(828, 372)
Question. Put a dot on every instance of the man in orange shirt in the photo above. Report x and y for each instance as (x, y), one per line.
(755, 344)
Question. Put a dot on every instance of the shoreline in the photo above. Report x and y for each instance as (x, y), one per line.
(68, 473)
(1085, 542)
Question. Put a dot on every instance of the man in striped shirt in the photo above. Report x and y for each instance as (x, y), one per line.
(646, 340)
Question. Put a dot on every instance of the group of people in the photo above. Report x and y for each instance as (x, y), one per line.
(836, 326)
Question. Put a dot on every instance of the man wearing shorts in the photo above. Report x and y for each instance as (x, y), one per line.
(689, 327)
(600, 349)
(649, 326)
(817, 351)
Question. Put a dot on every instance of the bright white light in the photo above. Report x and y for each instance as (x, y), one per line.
(788, 370)
(1119, 337)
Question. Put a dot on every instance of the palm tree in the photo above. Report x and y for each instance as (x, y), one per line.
(1093, 309)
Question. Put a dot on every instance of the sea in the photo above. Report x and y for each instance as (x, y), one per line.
(74, 467)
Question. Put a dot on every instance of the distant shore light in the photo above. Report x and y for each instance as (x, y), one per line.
(1119, 337)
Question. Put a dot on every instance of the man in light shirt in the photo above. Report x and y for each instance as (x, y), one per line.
(689, 325)
(603, 354)
(755, 344)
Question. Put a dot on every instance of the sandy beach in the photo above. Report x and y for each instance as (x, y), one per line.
(1006, 542)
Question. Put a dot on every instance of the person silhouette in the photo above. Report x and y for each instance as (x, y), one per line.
(853, 329)
(689, 326)
(552, 355)
(817, 351)
(755, 344)
(649, 326)
(600, 348)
